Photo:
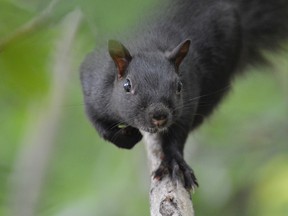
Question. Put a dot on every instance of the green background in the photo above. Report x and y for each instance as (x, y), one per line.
(240, 155)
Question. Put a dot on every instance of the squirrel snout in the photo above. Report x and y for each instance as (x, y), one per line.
(159, 119)
(159, 115)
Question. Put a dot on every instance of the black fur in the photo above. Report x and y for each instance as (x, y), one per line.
(225, 37)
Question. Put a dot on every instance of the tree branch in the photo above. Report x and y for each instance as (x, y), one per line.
(31, 164)
(166, 197)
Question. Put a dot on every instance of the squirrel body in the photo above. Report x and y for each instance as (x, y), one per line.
(174, 71)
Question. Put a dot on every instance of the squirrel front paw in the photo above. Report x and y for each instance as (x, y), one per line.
(124, 137)
(177, 169)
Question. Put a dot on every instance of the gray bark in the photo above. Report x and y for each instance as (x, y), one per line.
(166, 197)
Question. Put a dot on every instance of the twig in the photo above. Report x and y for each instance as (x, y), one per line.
(166, 198)
(29, 27)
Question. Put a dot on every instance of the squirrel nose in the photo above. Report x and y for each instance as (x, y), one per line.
(159, 119)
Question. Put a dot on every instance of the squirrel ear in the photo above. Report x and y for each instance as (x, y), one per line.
(120, 56)
(178, 54)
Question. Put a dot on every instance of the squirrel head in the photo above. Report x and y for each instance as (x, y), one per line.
(148, 89)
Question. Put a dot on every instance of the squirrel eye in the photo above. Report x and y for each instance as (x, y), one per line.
(127, 85)
(179, 87)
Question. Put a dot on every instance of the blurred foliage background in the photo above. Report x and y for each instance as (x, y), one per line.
(52, 163)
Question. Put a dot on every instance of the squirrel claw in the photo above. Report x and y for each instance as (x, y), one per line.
(177, 170)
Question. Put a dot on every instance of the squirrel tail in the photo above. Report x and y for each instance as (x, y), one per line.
(265, 26)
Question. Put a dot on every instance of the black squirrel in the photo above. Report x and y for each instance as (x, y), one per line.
(171, 74)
